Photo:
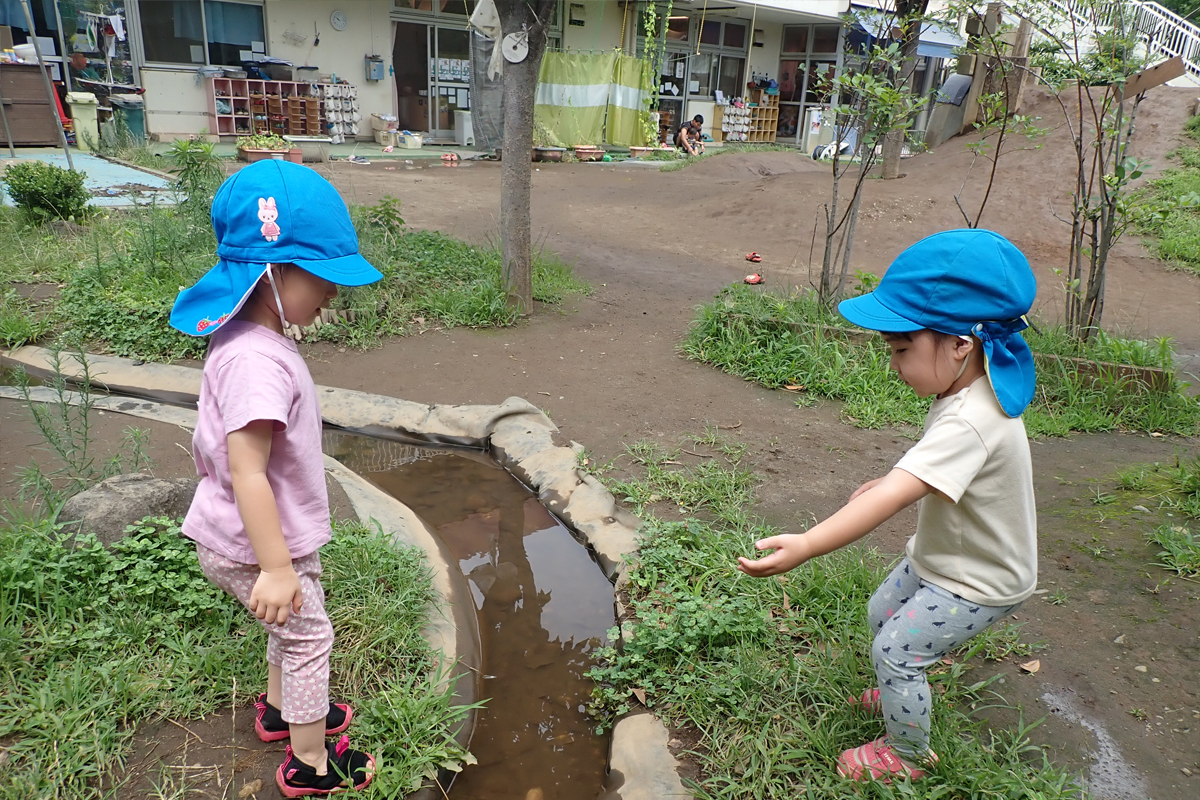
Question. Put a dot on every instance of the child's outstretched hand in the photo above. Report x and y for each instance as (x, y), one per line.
(791, 550)
(275, 593)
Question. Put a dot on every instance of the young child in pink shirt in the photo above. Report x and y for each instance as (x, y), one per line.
(261, 511)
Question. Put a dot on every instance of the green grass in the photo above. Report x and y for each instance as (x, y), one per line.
(727, 149)
(758, 671)
(120, 274)
(1180, 549)
(96, 641)
(20, 322)
(745, 332)
(1169, 208)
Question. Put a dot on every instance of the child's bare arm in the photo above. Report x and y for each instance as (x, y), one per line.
(869, 507)
(277, 587)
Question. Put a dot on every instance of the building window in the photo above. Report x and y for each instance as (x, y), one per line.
(735, 36)
(825, 38)
(459, 8)
(200, 32)
(795, 38)
(678, 28)
(702, 71)
(710, 32)
(731, 80)
(233, 29)
(807, 65)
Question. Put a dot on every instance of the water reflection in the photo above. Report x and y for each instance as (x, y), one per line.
(544, 607)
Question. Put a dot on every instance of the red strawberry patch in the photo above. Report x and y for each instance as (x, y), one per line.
(203, 324)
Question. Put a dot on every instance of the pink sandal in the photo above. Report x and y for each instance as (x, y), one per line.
(868, 701)
(875, 761)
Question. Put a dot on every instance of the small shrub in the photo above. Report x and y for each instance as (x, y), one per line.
(199, 170)
(45, 191)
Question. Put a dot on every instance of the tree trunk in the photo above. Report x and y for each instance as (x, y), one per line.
(908, 15)
(519, 86)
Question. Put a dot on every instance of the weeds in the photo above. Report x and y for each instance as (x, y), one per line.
(120, 277)
(791, 341)
(1134, 479)
(723, 489)
(96, 640)
(1180, 549)
(1059, 597)
(20, 321)
(761, 669)
(1174, 203)
(65, 426)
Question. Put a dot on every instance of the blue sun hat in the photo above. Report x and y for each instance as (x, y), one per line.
(961, 282)
(271, 212)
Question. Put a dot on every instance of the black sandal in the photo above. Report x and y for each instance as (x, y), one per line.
(270, 727)
(346, 768)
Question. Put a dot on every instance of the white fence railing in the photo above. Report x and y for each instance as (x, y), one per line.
(1164, 33)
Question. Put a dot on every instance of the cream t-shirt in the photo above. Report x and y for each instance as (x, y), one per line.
(977, 535)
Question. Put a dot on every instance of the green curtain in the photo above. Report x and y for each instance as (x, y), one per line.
(572, 95)
(627, 101)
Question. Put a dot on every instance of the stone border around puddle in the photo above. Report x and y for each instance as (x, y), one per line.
(517, 434)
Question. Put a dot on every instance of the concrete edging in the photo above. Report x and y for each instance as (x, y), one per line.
(517, 434)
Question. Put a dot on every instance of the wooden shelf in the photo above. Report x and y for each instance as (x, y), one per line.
(286, 108)
(764, 117)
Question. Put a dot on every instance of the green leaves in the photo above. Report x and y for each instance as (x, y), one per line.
(45, 192)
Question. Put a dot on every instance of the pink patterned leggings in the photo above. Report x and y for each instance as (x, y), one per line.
(301, 646)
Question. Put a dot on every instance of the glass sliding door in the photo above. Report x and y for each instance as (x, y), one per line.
(450, 77)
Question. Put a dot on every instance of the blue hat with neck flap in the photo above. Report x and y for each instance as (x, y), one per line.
(271, 212)
(966, 283)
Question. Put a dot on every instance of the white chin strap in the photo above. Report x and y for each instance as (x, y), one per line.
(284, 322)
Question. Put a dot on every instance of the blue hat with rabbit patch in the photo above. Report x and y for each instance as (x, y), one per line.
(271, 212)
(967, 282)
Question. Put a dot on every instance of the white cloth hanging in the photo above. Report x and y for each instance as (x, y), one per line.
(486, 20)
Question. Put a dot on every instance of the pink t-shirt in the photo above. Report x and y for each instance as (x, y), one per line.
(253, 373)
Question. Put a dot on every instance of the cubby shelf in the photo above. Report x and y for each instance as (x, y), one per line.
(244, 106)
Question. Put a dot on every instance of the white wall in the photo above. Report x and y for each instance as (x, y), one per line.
(176, 104)
(342, 53)
(602, 30)
(766, 58)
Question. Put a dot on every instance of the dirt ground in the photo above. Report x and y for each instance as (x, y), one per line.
(606, 369)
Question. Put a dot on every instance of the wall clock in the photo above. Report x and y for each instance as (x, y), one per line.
(338, 20)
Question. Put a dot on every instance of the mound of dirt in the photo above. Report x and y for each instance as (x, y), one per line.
(739, 166)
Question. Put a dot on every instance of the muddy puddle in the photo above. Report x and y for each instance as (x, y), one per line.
(543, 605)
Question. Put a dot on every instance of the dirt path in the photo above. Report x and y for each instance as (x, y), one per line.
(606, 369)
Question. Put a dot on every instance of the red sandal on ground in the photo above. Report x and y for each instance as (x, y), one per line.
(270, 727)
(877, 761)
(346, 768)
(868, 701)
(753, 279)
(755, 257)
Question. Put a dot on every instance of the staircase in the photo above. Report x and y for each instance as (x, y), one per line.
(1164, 33)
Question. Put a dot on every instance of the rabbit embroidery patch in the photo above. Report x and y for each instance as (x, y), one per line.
(268, 213)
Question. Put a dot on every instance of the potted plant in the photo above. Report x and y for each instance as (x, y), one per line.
(546, 146)
(260, 146)
(589, 152)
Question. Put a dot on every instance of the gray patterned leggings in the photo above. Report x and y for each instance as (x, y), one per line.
(916, 623)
